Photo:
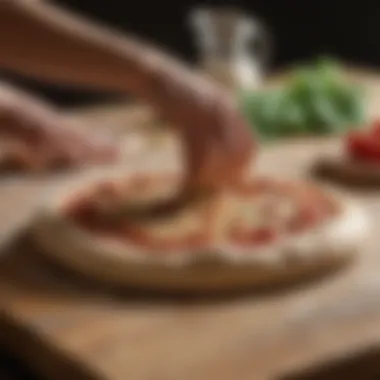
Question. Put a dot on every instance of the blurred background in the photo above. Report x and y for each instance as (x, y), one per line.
(300, 31)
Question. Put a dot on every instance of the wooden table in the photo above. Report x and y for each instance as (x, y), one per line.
(70, 328)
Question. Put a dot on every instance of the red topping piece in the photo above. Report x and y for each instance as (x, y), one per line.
(362, 146)
(305, 218)
(258, 236)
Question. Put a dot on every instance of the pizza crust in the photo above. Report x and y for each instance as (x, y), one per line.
(219, 267)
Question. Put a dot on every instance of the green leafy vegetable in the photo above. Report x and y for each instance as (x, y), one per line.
(317, 100)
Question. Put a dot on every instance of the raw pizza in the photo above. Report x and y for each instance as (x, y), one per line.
(262, 232)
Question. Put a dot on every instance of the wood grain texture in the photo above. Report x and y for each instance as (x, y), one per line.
(70, 328)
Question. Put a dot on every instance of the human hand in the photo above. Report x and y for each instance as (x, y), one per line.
(36, 137)
(217, 140)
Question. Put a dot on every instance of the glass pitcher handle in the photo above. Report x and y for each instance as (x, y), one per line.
(262, 45)
(255, 39)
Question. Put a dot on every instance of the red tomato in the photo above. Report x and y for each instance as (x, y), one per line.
(375, 128)
(363, 146)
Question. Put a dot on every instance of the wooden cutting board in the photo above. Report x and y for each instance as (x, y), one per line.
(67, 327)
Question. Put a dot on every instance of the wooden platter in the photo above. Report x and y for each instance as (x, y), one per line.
(69, 328)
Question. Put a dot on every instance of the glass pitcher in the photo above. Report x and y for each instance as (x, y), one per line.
(233, 48)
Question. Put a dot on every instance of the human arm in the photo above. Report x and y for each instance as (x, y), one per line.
(46, 42)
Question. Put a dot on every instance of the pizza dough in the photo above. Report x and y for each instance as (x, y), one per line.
(264, 232)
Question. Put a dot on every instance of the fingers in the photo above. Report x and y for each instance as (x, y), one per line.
(89, 146)
(49, 140)
(237, 137)
(73, 149)
(217, 140)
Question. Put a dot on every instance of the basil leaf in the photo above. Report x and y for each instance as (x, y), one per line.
(316, 100)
